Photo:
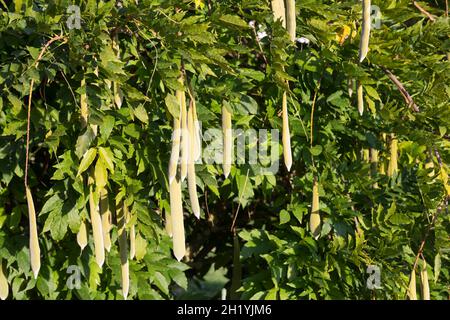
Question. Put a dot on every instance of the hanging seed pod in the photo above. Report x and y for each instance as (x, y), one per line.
(197, 136)
(175, 153)
(412, 289)
(365, 32)
(374, 164)
(291, 22)
(106, 215)
(4, 287)
(279, 11)
(117, 92)
(192, 179)
(360, 93)
(185, 150)
(35, 252)
(168, 224)
(123, 248)
(132, 234)
(393, 165)
(227, 141)
(287, 151)
(314, 222)
(425, 282)
(82, 235)
(176, 208)
(96, 222)
(84, 104)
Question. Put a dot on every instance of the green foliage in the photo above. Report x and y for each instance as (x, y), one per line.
(226, 64)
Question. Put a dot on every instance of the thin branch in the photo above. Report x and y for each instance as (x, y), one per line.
(30, 98)
(425, 12)
(408, 99)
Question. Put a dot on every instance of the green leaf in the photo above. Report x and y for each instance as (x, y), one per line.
(107, 156)
(285, 217)
(141, 114)
(437, 267)
(234, 20)
(172, 105)
(87, 160)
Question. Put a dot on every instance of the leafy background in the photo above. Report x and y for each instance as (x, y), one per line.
(269, 254)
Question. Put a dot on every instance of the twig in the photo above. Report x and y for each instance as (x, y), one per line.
(425, 12)
(446, 8)
(408, 99)
(259, 44)
(30, 98)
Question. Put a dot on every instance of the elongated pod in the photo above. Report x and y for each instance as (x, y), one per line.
(176, 208)
(4, 287)
(314, 222)
(291, 23)
(197, 135)
(35, 251)
(360, 94)
(84, 104)
(279, 11)
(425, 282)
(175, 153)
(393, 161)
(412, 288)
(227, 141)
(192, 179)
(286, 137)
(82, 236)
(185, 143)
(117, 91)
(132, 232)
(97, 229)
(123, 248)
(374, 164)
(365, 32)
(105, 213)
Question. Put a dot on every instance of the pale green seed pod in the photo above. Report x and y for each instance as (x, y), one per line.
(106, 215)
(393, 161)
(360, 93)
(286, 136)
(412, 289)
(175, 153)
(315, 221)
(365, 32)
(185, 143)
(82, 235)
(97, 229)
(35, 252)
(291, 23)
(227, 141)
(279, 11)
(176, 208)
(425, 282)
(122, 212)
(4, 286)
(192, 179)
